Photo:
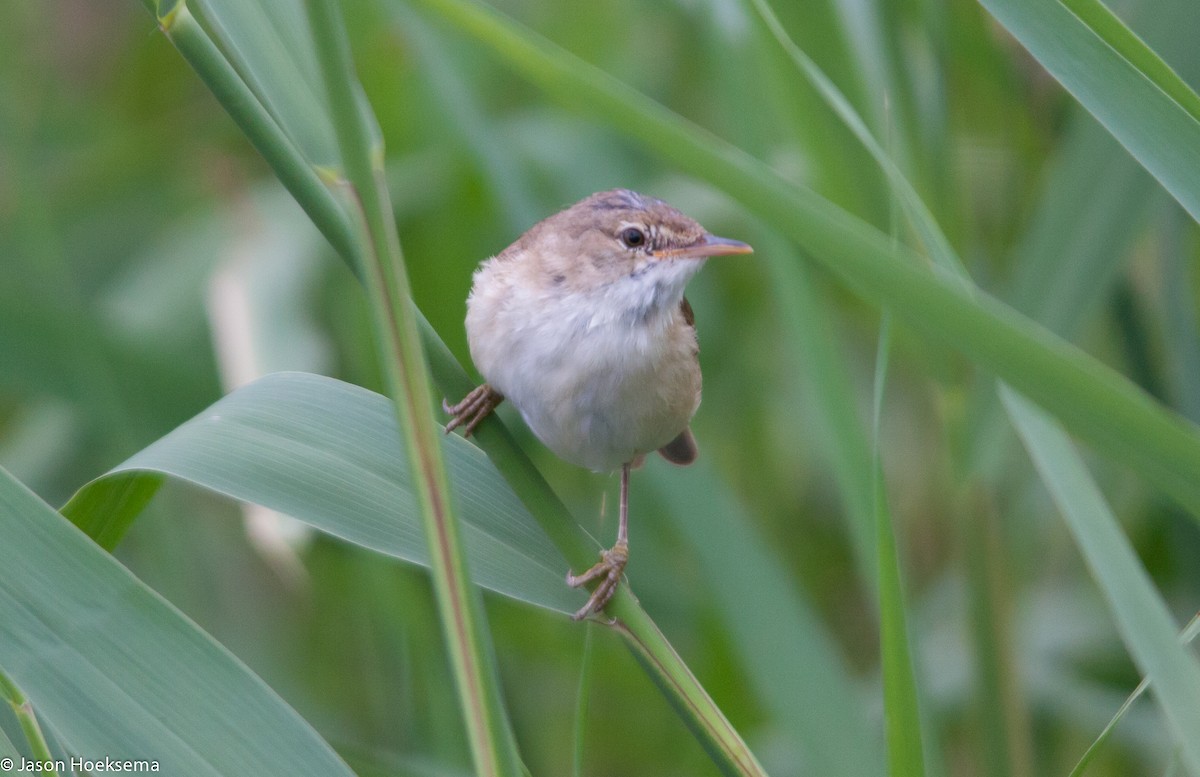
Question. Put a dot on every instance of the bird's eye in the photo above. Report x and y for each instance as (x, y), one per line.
(633, 237)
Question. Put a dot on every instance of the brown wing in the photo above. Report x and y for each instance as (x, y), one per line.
(689, 315)
(682, 450)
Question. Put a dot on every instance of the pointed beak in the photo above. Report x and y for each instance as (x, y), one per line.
(707, 246)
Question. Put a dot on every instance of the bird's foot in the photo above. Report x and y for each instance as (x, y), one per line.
(608, 569)
(473, 408)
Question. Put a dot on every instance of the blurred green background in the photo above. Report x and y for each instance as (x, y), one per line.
(150, 262)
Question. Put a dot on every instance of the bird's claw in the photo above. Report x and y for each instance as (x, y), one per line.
(473, 408)
(608, 569)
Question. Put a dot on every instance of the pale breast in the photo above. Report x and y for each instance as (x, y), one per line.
(595, 388)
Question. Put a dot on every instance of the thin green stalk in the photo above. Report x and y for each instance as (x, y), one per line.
(582, 699)
(460, 604)
(1005, 720)
(900, 702)
(23, 711)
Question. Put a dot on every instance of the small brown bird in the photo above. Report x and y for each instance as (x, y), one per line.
(583, 326)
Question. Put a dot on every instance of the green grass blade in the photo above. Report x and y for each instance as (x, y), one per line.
(24, 713)
(1189, 634)
(328, 454)
(917, 212)
(115, 670)
(1138, 99)
(1094, 402)
(901, 710)
(1181, 322)
(1109, 28)
(493, 745)
(1140, 614)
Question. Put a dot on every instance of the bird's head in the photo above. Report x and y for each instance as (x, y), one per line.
(624, 244)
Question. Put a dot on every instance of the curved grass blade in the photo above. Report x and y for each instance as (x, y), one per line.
(914, 207)
(1109, 28)
(328, 453)
(1141, 617)
(1124, 84)
(1189, 634)
(115, 670)
(270, 47)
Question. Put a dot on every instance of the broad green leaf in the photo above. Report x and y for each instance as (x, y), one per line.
(329, 454)
(1140, 614)
(115, 670)
(1134, 96)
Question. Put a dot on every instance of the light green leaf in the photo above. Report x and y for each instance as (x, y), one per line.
(1127, 87)
(1189, 634)
(115, 670)
(1141, 617)
(328, 453)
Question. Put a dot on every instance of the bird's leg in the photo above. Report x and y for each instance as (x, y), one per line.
(473, 408)
(612, 562)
